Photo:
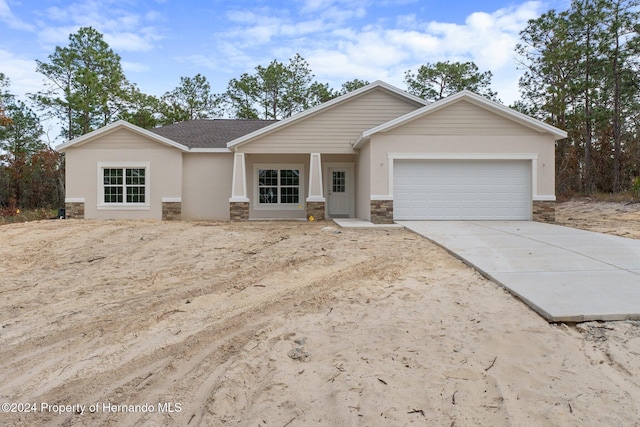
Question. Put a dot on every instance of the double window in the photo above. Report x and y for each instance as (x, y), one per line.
(279, 186)
(123, 185)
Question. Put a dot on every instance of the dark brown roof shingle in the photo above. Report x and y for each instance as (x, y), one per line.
(214, 133)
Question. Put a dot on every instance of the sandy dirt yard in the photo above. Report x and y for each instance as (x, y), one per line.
(142, 323)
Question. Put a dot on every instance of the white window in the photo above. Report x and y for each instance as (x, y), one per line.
(123, 185)
(279, 186)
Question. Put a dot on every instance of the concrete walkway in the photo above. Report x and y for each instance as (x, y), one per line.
(361, 223)
(565, 274)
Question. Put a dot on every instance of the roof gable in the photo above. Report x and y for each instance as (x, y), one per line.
(324, 107)
(113, 127)
(514, 117)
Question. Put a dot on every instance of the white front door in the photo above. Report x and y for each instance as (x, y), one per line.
(340, 186)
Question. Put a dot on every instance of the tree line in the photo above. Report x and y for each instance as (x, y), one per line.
(580, 74)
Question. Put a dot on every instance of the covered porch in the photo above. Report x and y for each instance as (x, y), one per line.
(312, 186)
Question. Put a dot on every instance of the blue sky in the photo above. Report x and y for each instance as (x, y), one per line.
(161, 40)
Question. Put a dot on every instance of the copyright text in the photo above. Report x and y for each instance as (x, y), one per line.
(99, 407)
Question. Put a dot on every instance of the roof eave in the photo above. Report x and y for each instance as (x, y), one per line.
(360, 141)
(209, 150)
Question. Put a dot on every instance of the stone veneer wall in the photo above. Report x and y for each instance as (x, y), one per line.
(382, 211)
(544, 211)
(239, 211)
(74, 210)
(316, 209)
(171, 211)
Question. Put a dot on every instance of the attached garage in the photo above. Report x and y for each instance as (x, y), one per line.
(462, 189)
(463, 157)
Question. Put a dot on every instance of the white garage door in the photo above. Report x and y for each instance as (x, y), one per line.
(462, 189)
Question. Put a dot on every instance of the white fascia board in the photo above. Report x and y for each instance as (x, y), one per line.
(115, 126)
(123, 207)
(543, 198)
(239, 200)
(315, 199)
(324, 106)
(209, 150)
(463, 156)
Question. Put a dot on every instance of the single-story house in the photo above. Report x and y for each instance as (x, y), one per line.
(377, 153)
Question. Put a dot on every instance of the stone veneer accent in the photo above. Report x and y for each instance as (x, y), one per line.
(316, 209)
(382, 211)
(171, 211)
(74, 210)
(239, 211)
(544, 211)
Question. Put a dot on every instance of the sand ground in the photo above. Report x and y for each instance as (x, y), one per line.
(292, 324)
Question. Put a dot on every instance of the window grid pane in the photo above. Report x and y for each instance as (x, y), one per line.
(289, 177)
(289, 195)
(339, 182)
(113, 194)
(289, 186)
(135, 176)
(129, 181)
(112, 177)
(135, 194)
(268, 177)
(269, 195)
(279, 186)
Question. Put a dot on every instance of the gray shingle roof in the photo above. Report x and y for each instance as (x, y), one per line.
(213, 133)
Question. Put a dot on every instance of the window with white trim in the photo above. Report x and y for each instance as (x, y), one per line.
(123, 185)
(279, 186)
(126, 185)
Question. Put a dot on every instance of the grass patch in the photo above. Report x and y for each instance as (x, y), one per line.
(10, 217)
(627, 196)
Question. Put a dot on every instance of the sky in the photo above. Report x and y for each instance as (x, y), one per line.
(160, 41)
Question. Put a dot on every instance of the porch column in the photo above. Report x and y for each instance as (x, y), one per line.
(315, 200)
(239, 202)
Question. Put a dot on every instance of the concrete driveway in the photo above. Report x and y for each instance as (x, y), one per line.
(564, 274)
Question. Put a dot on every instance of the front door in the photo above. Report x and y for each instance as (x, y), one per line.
(340, 192)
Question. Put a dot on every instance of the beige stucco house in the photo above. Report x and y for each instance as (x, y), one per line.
(377, 153)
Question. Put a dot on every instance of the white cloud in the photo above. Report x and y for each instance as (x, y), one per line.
(57, 14)
(12, 21)
(302, 28)
(134, 67)
(375, 48)
(408, 22)
(310, 6)
(122, 29)
(384, 50)
(50, 37)
(339, 14)
(487, 39)
(126, 41)
(21, 73)
(333, 7)
(339, 68)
